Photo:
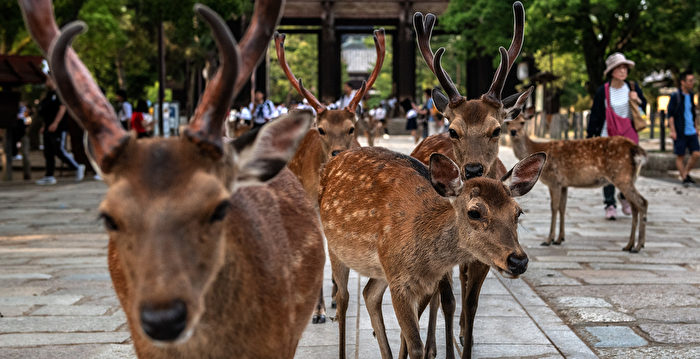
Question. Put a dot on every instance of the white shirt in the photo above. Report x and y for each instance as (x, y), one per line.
(125, 112)
(620, 102)
(380, 113)
(344, 101)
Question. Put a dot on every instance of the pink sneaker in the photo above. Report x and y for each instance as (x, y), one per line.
(610, 212)
(626, 209)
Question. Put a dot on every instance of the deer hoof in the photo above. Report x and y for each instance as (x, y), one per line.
(627, 249)
(634, 250)
(545, 243)
(556, 243)
(318, 319)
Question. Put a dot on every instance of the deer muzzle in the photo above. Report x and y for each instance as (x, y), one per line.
(473, 170)
(164, 322)
(517, 264)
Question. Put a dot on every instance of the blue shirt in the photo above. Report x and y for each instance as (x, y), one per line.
(689, 125)
(429, 106)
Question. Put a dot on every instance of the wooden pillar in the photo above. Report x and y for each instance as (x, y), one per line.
(479, 76)
(328, 57)
(404, 74)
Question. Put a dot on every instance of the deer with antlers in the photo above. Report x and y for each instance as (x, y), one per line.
(213, 250)
(472, 141)
(403, 225)
(334, 132)
(591, 162)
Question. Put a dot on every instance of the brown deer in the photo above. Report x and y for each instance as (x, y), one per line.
(403, 225)
(213, 249)
(334, 132)
(472, 142)
(591, 162)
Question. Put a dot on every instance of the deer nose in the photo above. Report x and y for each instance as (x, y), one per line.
(164, 322)
(473, 170)
(513, 132)
(517, 265)
(335, 152)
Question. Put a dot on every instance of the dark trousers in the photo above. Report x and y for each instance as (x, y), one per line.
(55, 145)
(609, 195)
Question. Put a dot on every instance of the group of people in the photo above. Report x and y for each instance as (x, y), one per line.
(427, 114)
(610, 116)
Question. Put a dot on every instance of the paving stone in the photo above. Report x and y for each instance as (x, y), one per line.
(578, 259)
(671, 315)
(554, 265)
(673, 333)
(614, 336)
(513, 351)
(25, 276)
(60, 324)
(573, 302)
(642, 267)
(35, 339)
(651, 352)
(23, 291)
(13, 310)
(542, 277)
(595, 315)
(93, 351)
(569, 344)
(647, 299)
(71, 310)
(46, 299)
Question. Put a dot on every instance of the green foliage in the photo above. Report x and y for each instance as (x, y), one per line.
(383, 86)
(301, 52)
(452, 62)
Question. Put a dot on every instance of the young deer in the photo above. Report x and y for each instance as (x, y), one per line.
(403, 225)
(334, 133)
(591, 162)
(472, 142)
(213, 249)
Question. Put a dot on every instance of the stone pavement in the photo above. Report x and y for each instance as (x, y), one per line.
(589, 299)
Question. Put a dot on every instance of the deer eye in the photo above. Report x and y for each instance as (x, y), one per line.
(321, 131)
(352, 129)
(453, 134)
(109, 222)
(220, 212)
(474, 214)
(496, 133)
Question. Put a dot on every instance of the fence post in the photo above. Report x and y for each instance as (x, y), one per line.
(662, 127)
(652, 117)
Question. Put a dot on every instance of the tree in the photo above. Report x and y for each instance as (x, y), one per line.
(301, 52)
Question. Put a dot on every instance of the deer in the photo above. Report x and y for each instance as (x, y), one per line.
(591, 162)
(213, 250)
(334, 132)
(402, 224)
(472, 141)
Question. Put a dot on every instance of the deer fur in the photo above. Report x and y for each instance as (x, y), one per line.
(591, 162)
(209, 242)
(403, 225)
(473, 141)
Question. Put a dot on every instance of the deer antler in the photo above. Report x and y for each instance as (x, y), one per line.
(380, 45)
(297, 84)
(516, 44)
(206, 126)
(424, 31)
(75, 85)
(265, 18)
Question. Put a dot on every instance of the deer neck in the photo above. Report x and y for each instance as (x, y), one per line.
(523, 146)
(443, 236)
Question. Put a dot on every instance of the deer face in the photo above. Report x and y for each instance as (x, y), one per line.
(486, 213)
(475, 129)
(516, 127)
(165, 213)
(337, 130)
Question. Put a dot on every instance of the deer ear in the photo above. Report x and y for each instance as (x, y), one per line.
(514, 104)
(440, 100)
(444, 176)
(523, 176)
(263, 153)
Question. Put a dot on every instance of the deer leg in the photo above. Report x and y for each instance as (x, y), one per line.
(639, 215)
(562, 212)
(430, 340)
(476, 274)
(320, 312)
(406, 313)
(554, 195)
(340, 274)
(334, 292)
(463, 314)
(373, 293)
(428, 299)
(448, 309)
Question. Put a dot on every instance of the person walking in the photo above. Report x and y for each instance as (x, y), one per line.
(681, 120)
(124, 109)
(138, 119)
(262, 109)
(610, 116)
(55, 117)
(411, 118)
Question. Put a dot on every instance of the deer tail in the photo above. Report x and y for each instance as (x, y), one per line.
(639, 158)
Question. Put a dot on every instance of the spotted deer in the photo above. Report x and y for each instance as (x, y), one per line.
(334, 132)
(591, 162)
(472, 141)
(403, 225)
(213, 249)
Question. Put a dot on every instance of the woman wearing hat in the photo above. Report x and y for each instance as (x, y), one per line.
(610, 116)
